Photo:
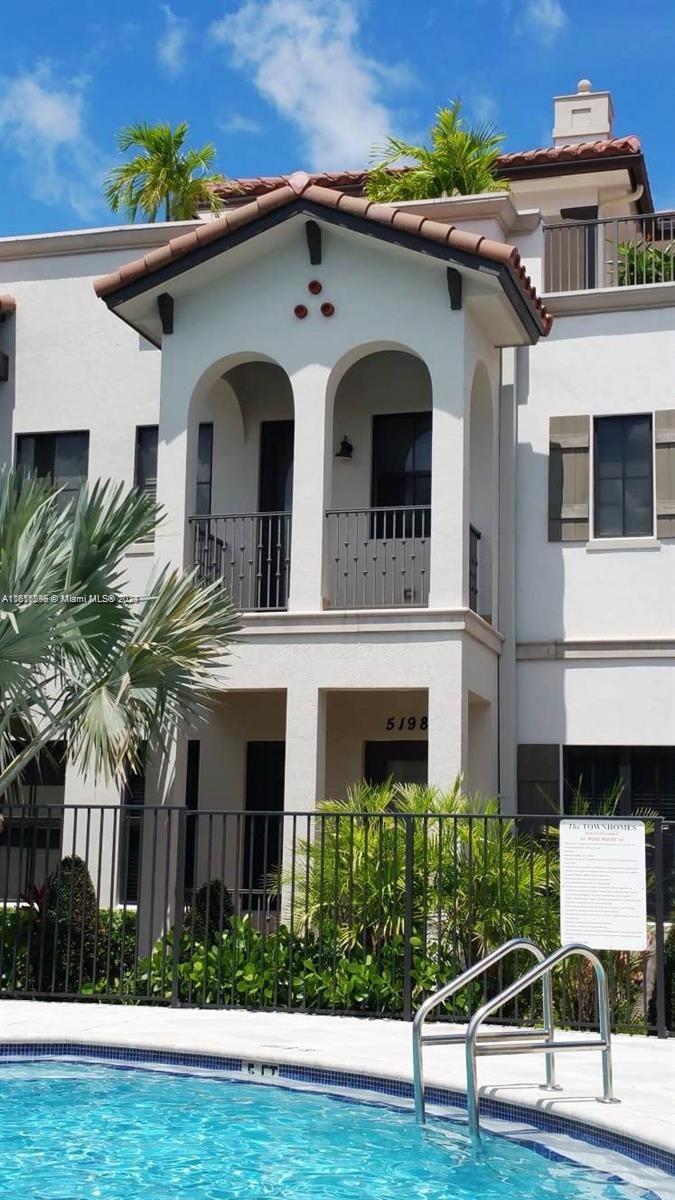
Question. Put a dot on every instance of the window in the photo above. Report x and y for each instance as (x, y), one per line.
(145, 467)
(623, 485)
(62, 458)
(646, 774)
(131, 832)
(402, 472)
(204, 469)
(404, 762)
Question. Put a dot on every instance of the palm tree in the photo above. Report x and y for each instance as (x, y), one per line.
(460, 162)
(163, 176)
(79, 659)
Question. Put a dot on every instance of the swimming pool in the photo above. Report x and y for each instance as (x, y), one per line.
(79, 1131)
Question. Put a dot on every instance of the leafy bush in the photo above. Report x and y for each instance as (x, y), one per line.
(640, 262)
(211, 913)
(669, 975)
(65, 933)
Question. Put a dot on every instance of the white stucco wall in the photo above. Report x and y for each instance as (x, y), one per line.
(602, 364)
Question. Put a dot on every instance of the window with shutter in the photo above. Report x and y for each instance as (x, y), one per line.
(568, 479)
(664, 452)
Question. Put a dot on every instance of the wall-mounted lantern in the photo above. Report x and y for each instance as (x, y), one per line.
(346, 449)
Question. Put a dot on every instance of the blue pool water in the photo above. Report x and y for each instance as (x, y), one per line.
(72, 1131)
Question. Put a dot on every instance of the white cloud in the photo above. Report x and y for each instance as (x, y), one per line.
(171, 45)
(545, 18)
(483, 107)
(305, 58)
(42, 124)
(238, 123)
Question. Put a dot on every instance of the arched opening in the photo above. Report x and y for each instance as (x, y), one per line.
(240, 480)
(379, 522)
(482, 494)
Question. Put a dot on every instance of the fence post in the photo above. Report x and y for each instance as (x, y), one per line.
(178, 905)
(659, 917)
(408, 917)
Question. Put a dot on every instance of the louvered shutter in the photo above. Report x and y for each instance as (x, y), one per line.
(568, 476)
(664, 436)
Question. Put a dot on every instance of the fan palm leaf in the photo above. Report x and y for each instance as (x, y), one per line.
(107, 676)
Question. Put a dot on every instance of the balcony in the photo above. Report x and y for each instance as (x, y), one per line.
(379, 557)
(612, 252)
(249, 552)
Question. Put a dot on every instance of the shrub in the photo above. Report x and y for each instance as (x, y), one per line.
(65, 934)
(211, 912)
(669, 976)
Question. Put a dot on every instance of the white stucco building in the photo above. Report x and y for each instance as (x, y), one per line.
(448, 521)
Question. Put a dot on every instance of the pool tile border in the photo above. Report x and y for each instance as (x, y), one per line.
(633, 1148)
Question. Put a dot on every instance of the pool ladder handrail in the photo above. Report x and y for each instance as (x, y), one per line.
(542, 970)
(445, 1039)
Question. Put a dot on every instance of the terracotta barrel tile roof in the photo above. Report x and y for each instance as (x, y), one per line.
(7, 305)
(238, 189)
(301, 185)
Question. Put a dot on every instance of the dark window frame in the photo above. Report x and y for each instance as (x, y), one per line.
(599, 523)
(149, 485)
(204, 438)
(43, 437)
(392, 524)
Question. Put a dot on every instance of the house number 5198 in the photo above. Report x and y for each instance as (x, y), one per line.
(399, 723)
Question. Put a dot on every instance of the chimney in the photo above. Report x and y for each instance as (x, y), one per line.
(584, 117)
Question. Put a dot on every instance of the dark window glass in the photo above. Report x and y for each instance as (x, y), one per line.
(204, 469)
(62, 458)
(131, 831)
(623, 486)
(402, 473)
(402, 761)
(145, 472)
(591, 772)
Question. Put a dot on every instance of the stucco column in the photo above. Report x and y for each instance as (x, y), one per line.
(92, 833)
(177, 385)
(449, 512)
(311, 479)
(305, 774)
(448, 721)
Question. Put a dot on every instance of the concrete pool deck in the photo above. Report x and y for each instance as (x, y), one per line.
(644, 1068)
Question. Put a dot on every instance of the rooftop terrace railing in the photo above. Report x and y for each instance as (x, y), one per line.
(610, 252)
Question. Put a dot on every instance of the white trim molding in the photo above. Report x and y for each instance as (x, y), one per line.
(596, 648)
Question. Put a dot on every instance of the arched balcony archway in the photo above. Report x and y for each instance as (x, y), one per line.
(379, 520)
(240, 480)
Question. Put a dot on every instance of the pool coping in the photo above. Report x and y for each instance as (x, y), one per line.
(257, 1070)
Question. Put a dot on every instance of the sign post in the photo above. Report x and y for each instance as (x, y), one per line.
(603, 884)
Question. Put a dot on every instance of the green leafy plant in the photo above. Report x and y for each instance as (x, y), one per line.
(460, 161)
(111, 677)
(211, 913)
(65, 932)
(164, 176)
(641, 262)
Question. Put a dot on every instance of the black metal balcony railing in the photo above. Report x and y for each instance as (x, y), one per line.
(379, 557)
(610, 252)
(474, 539)
(249, 552)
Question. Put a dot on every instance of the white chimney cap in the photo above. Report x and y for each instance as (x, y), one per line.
(585, 116)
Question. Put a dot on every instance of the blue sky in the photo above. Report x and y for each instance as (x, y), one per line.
(279, 85)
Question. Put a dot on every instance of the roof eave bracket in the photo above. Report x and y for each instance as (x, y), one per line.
(165, 306)
(313, 232)
(454, 288)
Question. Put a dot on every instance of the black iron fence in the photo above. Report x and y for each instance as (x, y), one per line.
(379, 557)
(249, 552)
(330, 912)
